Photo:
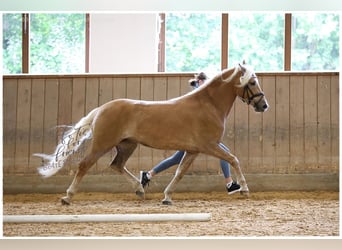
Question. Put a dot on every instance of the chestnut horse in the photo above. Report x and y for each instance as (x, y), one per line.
(122, 124)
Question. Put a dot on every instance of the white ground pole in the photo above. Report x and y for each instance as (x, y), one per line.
(106, 218)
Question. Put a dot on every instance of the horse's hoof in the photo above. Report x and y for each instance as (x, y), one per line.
(167, 202)
(65, 201)
(244, 193)
(140, 194)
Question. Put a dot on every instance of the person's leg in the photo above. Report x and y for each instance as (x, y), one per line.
(231, 186)
(175, 159)
(167, 163)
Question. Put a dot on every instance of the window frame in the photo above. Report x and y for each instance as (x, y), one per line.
(26, 42)
(161, 45)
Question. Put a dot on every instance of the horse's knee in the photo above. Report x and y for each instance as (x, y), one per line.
(235, 162)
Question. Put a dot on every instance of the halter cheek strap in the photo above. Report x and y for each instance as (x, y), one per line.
(248, 96)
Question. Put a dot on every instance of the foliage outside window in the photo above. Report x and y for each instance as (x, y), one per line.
(57, 43)
(315, 41)
(257, 38)
(11, 43)
(193, 42)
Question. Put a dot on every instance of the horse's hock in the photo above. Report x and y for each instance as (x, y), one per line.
(292, 146)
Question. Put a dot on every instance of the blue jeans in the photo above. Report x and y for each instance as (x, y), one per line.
(176, 158)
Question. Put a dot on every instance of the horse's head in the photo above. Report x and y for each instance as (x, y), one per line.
(249, 89)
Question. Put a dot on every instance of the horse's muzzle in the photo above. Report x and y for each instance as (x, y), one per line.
(261, 106)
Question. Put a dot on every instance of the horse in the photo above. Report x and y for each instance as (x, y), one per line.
(121, 124)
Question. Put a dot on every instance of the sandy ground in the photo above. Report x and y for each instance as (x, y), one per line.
(267, 214)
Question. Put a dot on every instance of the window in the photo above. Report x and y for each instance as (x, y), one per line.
(59, 43)
(315, 41)
(56, 43)
(258, 38)
(11, 43)
(193, 42)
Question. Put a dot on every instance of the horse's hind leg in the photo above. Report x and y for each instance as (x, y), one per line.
(83, 167)
(188, 158)
(123, 151)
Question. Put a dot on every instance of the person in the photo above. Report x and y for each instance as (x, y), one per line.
(145, 176)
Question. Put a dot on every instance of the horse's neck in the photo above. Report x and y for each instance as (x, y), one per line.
(228, 99)
(223, 95)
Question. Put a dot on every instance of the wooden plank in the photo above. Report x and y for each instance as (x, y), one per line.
(335, 142)
(106, 90)
(146, 87)
(296, 124)
(133, 88)
(282, 124)
(310, 123)
(173, 87)
(92, 94)
(269, 126)
(78, 99)
(119, 88)
(50, 116)
(37, 123)
(324, 122)
(65, 102)
(184, 85)
(23, 126)
(10, 90)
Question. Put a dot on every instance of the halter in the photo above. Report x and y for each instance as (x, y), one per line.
(247, 95)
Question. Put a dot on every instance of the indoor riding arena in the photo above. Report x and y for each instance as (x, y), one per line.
(289, 156)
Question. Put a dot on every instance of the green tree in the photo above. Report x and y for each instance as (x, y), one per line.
(193, 42)
(57, 43)
(11, 43)
(257, 38)
(315, 43)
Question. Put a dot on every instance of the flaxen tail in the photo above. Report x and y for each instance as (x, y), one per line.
(69, 144)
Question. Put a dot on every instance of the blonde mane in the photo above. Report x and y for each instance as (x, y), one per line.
(246, 76)
(243, 79)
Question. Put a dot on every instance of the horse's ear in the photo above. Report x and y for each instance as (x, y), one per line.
(244, 62)
(242, 68)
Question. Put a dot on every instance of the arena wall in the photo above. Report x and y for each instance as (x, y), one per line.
(294, 144)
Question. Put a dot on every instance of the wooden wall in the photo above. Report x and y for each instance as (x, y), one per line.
(298, 134)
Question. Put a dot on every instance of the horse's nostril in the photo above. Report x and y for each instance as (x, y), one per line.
(265, 106)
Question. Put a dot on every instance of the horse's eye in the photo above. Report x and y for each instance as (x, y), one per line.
(253, 82)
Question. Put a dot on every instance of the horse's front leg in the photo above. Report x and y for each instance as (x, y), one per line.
(183, 166)
(220, 151)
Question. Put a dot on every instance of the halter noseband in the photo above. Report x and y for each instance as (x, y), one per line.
(248, 96)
